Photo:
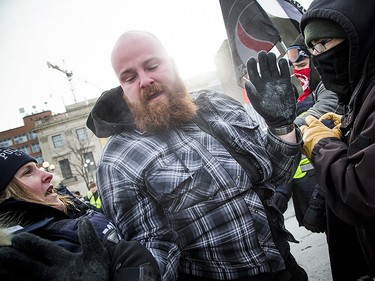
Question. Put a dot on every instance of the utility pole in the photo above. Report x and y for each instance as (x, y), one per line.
(69, 76)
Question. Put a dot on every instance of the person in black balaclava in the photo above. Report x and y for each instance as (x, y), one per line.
(308, 200)
(341, 36)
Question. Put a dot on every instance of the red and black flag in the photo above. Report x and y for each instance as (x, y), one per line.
(285, 16)
(253, 26)
(249, 30)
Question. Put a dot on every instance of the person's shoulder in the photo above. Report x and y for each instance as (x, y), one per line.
(208, 92)
(29, 211)
(320, 88)
(213, 97)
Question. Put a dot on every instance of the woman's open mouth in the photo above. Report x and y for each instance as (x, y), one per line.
(50, 191)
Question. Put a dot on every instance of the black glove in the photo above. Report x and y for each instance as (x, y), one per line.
(315, 216)
(33, 258)
(271, 93)
(281, 201)
(131, 261)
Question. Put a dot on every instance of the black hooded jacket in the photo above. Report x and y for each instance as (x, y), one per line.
(345, 168)
(114, 119)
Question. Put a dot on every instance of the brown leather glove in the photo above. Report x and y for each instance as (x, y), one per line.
(336, 118)
(316, 130)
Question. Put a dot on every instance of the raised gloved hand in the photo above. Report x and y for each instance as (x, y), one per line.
(281, 201)
(33, 258)
(271, 92)
(315, 130)
(315, 216)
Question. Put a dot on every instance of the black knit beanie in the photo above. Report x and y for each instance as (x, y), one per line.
(322, 28)
(10, 161)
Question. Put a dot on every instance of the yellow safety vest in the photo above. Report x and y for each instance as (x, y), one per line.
(303, 167)
(97, 203)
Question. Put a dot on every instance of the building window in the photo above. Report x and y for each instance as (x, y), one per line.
(57, 141)
(35, 147)
(6, 142)
(20, 139)
(25, 149)
(66, 171)
(32, 136)
(81, 134)
(39, 159)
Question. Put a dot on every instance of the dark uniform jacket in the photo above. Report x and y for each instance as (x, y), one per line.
(128, 258)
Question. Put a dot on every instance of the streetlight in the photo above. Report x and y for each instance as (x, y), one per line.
(46, 166)
(88, 163)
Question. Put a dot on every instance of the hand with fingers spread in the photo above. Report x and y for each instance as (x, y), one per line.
(33, 258)
(271, 92)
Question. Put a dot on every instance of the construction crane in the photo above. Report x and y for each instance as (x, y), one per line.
(69, 76)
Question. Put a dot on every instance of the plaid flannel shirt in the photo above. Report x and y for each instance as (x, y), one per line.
(183, 196)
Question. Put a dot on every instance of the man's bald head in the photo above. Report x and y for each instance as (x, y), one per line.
(134, 38)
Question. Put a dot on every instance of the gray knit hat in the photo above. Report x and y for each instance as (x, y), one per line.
(322, 28)
(10, 161)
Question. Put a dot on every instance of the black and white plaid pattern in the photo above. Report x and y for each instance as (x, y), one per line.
(189, 202)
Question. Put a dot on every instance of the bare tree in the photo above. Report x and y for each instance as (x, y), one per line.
(80, 151)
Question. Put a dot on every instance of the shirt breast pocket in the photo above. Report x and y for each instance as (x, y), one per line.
(175, 185)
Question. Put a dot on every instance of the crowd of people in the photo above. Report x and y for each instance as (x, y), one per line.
(189, 187)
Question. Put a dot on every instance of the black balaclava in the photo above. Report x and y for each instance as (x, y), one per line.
(333, 68)
(332, 65)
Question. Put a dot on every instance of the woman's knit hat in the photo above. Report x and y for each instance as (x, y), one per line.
(10, 161)
(322, 28)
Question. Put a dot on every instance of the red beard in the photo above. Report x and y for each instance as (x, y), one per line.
(174, 110)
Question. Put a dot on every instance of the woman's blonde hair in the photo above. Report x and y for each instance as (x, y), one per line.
(20, 191)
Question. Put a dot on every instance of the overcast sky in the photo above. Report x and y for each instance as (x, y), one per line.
(78, 36)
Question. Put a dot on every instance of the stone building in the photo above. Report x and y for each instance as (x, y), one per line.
(69, 147)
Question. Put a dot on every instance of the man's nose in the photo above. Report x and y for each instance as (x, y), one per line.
(145, 80)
